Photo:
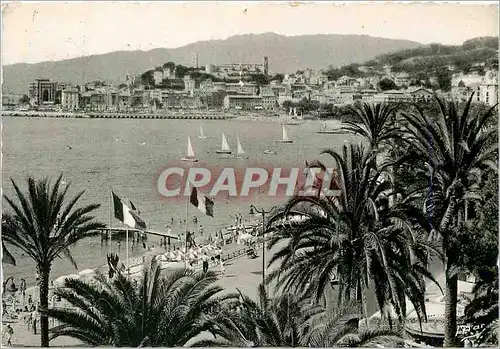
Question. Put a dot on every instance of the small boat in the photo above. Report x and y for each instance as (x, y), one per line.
(190, 157)
(142, 143)
(285, 138)
(240, 152)
(201, 134)
(68, 147)
(270, 152)
(225, 146)
(335, 128)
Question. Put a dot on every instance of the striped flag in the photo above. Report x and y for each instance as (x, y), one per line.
(7, 258)
(133, 208)
(202, 202)
(125, 215)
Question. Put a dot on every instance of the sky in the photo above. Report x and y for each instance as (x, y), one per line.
(35, 32)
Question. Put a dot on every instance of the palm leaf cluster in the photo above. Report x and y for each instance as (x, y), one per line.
(291, 321)
(483, 309)
(354, 237)
(44, 226)
(450, 152)
(403, 198)
(158, 310)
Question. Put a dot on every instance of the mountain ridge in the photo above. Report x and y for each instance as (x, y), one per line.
(286, 54)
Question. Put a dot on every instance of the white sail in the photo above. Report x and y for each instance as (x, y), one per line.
(225, 146)
(190, 153)
(285, 135)
(202, 135)
(240, 148)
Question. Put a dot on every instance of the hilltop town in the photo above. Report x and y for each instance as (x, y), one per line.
(403, 76)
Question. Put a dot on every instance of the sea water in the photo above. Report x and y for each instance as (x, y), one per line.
(126, 155)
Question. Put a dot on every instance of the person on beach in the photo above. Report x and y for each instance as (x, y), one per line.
(22, 288)
(172, 222)
(34, 315)
(201, 230)
(195, 219)
(222, 268)
(8, 333)
(204, 259)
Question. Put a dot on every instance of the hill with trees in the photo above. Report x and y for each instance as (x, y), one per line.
(436, 60)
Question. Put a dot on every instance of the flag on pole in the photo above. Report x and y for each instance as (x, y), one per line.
(7, 258)
(125, 215)
(202, 202)
(133, 208)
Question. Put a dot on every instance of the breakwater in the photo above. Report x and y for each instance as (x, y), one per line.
(191, 114)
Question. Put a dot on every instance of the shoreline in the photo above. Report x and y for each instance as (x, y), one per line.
(187, 114)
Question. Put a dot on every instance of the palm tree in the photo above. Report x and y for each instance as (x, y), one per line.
(483, 309)
(445, 152)
(279, 322)
(158, 310)
(44, 228)
(354, 238)
(373, 122)
(339, 327)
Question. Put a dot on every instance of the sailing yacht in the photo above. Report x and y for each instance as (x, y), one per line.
(225, 146)
(240, 152)
(285, 138)
(190, 153)
(201, 134)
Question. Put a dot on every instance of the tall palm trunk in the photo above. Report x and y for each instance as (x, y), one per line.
(44, 273)
(450, 310)
(451, 279)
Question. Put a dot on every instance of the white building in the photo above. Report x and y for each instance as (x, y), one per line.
(70, 99)
(466, 79)
(158, 76)
(488, 89)
(402, 79)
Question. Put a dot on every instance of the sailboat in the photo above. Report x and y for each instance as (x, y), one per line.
(190, 153)
(225, 147)
(240, 152)
(201, 134)
(285, 138)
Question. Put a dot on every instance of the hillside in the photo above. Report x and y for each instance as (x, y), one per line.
(433, 56)
(286, 54)
(427, 61)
